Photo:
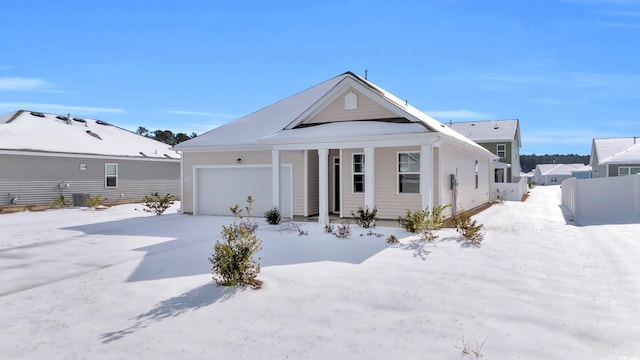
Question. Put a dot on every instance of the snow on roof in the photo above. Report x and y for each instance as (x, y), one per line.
(263, 125)
(488, 130)
(558, 169)
(33, 131)
(584, 168)
(617, 150)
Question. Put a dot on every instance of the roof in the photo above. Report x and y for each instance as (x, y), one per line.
(558, 169)
(616, 150)
(278, 123)
(489, 130)
(38, 132)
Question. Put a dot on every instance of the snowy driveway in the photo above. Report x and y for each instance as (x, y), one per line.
(123, 284)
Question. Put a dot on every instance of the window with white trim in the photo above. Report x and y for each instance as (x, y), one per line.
(358, 173)
(501, 150)
(628, 170)
(111, 175)
(409, 173)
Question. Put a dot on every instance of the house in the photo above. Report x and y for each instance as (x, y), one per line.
(582, 173)
(615, 157)
(501, 137)
(335, 147)
(43, 156)
(554, 174)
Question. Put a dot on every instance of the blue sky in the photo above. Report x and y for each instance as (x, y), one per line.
(568, 69)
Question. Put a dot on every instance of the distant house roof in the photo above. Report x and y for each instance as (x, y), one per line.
(616, 150)
(39, 132)
(489, 130)
(283, 122)
(558, 169)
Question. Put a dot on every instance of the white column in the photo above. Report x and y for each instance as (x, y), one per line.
(369, 177)
(305, 186)
(275, 182)
(426, 176)
(323, 191)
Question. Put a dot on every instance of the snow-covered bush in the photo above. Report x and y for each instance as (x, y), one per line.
(426, 222)
(293, 227)
(392, 239)
(273, 216)
(365, 217)
(154, 203)
(95, 201)
(233, 257)
(470, 229)
(60, 201)
(343, 231)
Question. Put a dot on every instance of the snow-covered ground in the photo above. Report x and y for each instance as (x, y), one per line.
(121, 283)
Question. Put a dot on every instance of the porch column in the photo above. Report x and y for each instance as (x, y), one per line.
(369, 177)
(323, 191)
(275, 182)
(426, 176)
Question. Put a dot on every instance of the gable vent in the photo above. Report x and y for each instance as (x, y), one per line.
(38, 114)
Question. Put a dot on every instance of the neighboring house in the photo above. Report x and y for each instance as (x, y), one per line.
(43, 156)
(554, 174)
(501, 137)
(615, 157)
(337, 146)
(582, 173)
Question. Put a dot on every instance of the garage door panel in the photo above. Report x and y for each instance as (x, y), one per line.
(218, 189)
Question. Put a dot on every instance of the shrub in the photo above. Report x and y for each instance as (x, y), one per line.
(328, 228)
(426, 222)
(470, 229)
(293, 227)
(273, 216)
(233, 257)
(154, 203)
(392, 239)
(29, 207)
(365, 217)
(410, 221)
(95, 201)
(343, 231)
(60, 201)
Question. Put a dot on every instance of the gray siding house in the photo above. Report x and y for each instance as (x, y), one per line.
(43, 156)
(615, 157)
(502, 138)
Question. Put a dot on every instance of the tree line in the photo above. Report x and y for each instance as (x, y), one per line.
(529, 162)
(165, 136)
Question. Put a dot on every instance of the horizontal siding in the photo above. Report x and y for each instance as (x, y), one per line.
(457, 159)
(388, 201)
(367, 110)
(313, 186)
(36, 179)
(42, 192)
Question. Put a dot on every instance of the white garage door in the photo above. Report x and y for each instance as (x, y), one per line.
(219, 188)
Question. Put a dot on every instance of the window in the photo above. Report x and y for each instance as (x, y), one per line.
(358, 173)
(409, 173)
(111, 175)
(553, 179)
(501, 150)
(628, 170)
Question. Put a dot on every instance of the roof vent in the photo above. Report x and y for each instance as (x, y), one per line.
(63, 118)
(496, 127)
(79, 120)
(167, 156)
(94, 134)
(100, 122)
(143, 154)
(38, 114)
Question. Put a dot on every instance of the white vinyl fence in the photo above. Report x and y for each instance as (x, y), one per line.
(603, 200)
(510, 191)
